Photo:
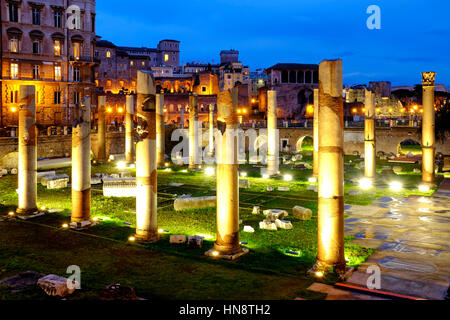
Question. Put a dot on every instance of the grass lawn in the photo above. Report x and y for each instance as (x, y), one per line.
(164, 271)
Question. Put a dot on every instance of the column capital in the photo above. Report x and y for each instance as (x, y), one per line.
(428, 78)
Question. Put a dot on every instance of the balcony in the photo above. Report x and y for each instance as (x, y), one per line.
(87, 59)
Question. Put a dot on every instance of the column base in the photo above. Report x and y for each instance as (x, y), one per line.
(233, 256)
(26, 214)
(82, 225)
(321, 269)
(146, 236)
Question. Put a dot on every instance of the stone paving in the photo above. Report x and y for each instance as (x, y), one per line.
(412, 238)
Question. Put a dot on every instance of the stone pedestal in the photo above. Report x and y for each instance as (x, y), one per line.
(227, 244)
(129, 129)
(272, 134)
(81, 165)
(330, 246)
(160, 131)
(27, 178)
(428, 129)
(101, 133)
(146, 174)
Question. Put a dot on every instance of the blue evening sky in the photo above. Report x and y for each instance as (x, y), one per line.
(414, 34)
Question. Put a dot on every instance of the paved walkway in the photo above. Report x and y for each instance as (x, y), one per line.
(412, 237)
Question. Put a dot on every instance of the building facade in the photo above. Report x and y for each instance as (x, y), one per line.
(49, 44)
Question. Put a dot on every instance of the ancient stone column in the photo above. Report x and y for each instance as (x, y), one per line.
(330, 246)
(182, 117)
(428, 128)
(211, 130)
(160, 131)
(27, 152)
(272, 133)
(101, 132)
(146, 174)
(369, 136)
(194, 154)
(316, 134)
(129, 128)
(81, 165)
(227, 244)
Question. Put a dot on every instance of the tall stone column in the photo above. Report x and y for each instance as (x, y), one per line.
(182, 118)
(211, 130)
(101, 132)
(272, 133)
(81, 165)
(316, 134)
(27, 152)
(146, 174)
(160, 131)
(330, 246)
(428, 128)
(369, 136)
(129, 128)
(194, 154)
(227, 244)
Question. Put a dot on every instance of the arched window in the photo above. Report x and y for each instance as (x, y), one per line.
(284, 76)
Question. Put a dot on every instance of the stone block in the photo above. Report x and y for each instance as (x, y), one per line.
(283, 189)
(190, 203)
(274, 214)
(122, 187)
(256, 210)
(249, 229)
(267, 226)
(397, 169)
(57, 182)
(177, 238)
(43, 175)
(14, 171)
(96, 180)
(195, 241)
(3, 172)
(312, 188)
(301, 213)
(417, 170)
(270, 188)
(125, 174)
(54, 285)
(283, 224)
(244, 183)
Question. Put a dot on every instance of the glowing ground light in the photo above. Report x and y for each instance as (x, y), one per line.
(287, 177)
(424, 188)
(131, 239)
(11, 213)
(319, 274)
(312, 180)
(209, 171)
(215, 253)
(184, 171)
(395, 186)
(265, 176)
(65, 226)
(167, 170)
(206, 236)
(243, 174)
(166, 164)
(121, 165)
(365, 183)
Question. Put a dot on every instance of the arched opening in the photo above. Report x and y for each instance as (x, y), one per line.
(292, 76)
(304, 98)
(305, 143)
(300, 76)
(409, 147)
(308, 77)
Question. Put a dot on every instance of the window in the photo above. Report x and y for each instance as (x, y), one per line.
(57, 97)
(14, 45)
(13, 12)
(132, 63)
(96, 53)
(76, 74)
(203, 88)
(166, 57)
(76, 49)
(173, 58)
(76, 98)
(121, 84)
(108, 83)
(36, 46)
(36, 14)
(108, 54)
(58, 73)
(14, 70)
(36, 72)
(57, 47)
(133, 83)
(57, 18)
(143, 63)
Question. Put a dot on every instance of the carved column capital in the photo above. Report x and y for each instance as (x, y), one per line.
(428, 78)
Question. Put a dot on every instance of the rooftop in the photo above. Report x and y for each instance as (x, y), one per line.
(294, 66)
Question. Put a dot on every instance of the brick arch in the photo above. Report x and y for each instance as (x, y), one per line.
(299, 143)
